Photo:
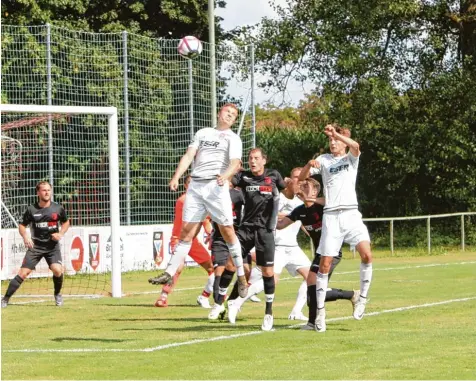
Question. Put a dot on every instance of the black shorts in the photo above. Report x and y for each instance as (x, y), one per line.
(317, 259)
(263, 241)
(220, 252)
(33, 256)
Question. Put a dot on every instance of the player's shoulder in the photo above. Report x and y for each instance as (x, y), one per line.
(56, 205)
(271, 172)
(206, 131)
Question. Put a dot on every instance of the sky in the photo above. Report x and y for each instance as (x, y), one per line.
(249, 12)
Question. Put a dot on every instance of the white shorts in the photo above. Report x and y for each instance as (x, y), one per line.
(291, 257)
(341, 226)
(208, 198)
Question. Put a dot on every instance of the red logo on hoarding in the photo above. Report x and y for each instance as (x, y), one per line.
(77, 253)
(94, 252)
(158, 247)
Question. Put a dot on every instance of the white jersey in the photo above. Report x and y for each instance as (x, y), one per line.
(339, 175)
(288, 235)
(215, 149)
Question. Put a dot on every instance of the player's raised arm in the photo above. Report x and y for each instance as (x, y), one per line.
(308, 168)
(183, 165)
(354, 147)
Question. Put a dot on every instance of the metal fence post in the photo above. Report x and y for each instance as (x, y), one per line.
(462, 232)
(391, 237)
(190, 96)
(213, 73)
(49, 97)
(126, 127)
(253, 108)
(428, 234)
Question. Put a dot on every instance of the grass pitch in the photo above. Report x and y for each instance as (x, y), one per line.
(420, 324)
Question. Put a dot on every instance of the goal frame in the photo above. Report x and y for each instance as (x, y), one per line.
(113, 145)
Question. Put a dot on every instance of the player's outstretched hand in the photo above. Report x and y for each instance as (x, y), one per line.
(173, 184)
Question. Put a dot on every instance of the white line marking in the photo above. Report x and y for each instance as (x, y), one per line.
(218, 338)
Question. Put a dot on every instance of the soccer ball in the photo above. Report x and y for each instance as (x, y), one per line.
(189, 47)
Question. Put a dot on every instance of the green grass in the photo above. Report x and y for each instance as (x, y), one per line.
(425, 342)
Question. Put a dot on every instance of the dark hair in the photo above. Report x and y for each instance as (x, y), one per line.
(341, 130)
(40, 183)
(257, 149)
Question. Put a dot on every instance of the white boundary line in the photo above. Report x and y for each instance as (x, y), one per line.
(219, 338)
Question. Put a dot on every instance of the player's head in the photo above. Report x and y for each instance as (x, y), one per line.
(186, 181)
(310, 188)
(43, 191)
(257, 161)
(227, 115)
(294, 184)
(338, 146)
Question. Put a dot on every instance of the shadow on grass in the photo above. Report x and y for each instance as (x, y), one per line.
(61, 339)
(149, 305)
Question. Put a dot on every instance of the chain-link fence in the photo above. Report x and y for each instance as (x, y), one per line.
(162, 100)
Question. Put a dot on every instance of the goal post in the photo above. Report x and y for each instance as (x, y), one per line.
(113, 151)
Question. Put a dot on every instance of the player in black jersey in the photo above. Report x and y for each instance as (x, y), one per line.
(48, 223)
(219, 248)
(261, 187)
(310, 214)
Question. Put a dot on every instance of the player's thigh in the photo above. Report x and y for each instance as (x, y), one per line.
(265, 248)
(53, 258)
(31, 259)
(246, 236)
(198, 252)
(194, 209)
(331, 237)
(355, 231)
(218, 203)
(296, 260)
(279, 259)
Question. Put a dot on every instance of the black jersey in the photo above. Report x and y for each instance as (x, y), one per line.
(261, 197)
(237, 201)
(44, 222)
(311, 219)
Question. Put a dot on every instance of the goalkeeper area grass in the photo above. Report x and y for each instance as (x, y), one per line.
(419, 324)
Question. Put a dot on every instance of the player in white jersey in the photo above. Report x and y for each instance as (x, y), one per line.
(287, 254)
(342, 221)
(216, 154)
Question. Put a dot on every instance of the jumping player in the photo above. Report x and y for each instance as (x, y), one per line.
(342, 220)
(216, 154)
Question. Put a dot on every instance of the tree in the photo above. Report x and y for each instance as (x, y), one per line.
(163, 18)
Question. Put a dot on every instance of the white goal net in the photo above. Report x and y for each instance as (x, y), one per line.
(76, 150)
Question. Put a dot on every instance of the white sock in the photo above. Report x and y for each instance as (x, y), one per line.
(301, 299)
(178, 257)
(255, 288)
(256, 275)
(321, 287)
(235, 252)
(209, 286)
(365, 278)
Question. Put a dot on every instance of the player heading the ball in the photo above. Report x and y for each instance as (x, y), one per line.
(216, 154)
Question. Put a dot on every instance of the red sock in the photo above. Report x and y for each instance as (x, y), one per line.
(205, 294)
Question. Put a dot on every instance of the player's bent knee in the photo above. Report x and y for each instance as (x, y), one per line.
(24, 273)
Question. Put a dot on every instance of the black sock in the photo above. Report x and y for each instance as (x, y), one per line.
(58, 283)
(344, 294)
(15, 283)
(332, 295)
(269, 288)
(312, 303)
(225, 281)
(234, 293)
(216, 286)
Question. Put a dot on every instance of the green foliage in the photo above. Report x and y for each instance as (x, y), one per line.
(165, 18)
